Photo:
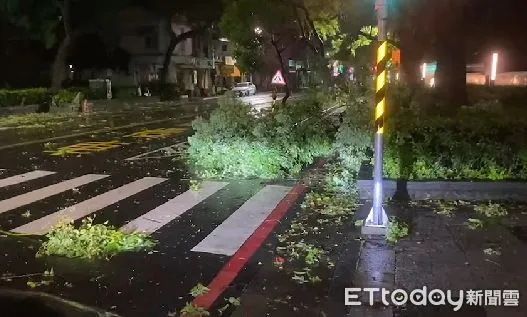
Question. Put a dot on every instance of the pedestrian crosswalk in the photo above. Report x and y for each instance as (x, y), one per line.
(162, 215)
(223, 239)
(228, 237)
(42, 193)
(87, 207)
(17, 179)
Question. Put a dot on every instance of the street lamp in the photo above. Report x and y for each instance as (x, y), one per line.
(258, 30)
(494, 68)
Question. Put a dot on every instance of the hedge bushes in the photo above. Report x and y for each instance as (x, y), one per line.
(29, 96)
(480, 142)
(485, 141)
(35, 96)
(236, 142)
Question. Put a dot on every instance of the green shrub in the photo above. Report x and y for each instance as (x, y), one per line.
(481, 142)
(513, 97)
(36, 96)
(354, 137)
(64, 97)
(30, 96)
(236, 142)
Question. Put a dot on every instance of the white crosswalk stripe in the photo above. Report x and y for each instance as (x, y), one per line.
(17, 179)
(225, 239)
(228, 237)
(162, 215)
(83, 209)
(48, 191)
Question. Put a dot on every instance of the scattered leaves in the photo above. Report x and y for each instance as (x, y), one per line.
(330, 204)
(396, 230)
(491, 252)
(91, 241)
(195, 185)
(474, 224)
(191, 310)
(278, 261)
(198, 290)
(444, 208)
(235, 301)
(491, 210)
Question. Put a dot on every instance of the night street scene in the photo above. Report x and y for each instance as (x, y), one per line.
(263, 158)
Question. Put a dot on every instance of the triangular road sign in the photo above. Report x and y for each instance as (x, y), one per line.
(278, 79)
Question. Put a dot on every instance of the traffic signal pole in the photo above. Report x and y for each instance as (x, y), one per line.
(377, 220)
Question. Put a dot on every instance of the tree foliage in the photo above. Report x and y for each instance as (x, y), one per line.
(61, 22)
(313, 21)
(39, 18)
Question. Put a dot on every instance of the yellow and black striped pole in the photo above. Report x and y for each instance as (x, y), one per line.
(383, 56)
(377, 221)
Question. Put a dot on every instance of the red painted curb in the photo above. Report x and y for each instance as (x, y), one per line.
(237, 262)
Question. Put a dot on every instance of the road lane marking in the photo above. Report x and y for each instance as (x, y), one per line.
(168, 151)
(48, 191)
(160, 133)
(133, 125)
(17, 179)
(165, 213)
(228, 237)
(83, 209)
(85, 148)
(237, 262)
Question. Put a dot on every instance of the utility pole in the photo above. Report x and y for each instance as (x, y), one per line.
(377, 221)
(213, 67)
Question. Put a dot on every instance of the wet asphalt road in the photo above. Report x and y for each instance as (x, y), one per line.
(135, 284)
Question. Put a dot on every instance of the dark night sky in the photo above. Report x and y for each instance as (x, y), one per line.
(503, 27)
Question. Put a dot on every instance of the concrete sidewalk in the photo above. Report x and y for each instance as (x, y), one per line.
(443, 253)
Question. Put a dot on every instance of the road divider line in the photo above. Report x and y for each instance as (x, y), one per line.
(33, 196)
(167, 212)
(83, 209)
(236, 263)
(17, 179)
(228, 237)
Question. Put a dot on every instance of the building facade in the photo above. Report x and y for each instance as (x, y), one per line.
(195, 62)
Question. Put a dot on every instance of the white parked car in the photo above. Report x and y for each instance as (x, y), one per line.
(244, 89)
